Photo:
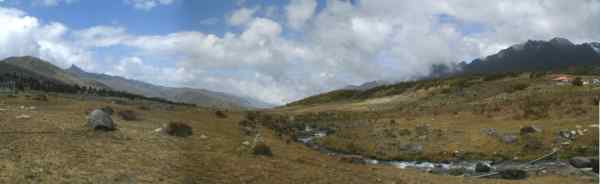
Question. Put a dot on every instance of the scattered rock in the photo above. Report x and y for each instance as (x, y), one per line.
(509, 138)
(2, 110)
(177, 129)
(489, 131)
(580, 162)
(100, 120)
(248, 127)
(567, 134)
(203, 136)
(262, 149)
(220, 114)
(128, 115)
(513, 174)
(530, 129)
(109, 110)
(246, 143)
(482, 167)
(23, 116)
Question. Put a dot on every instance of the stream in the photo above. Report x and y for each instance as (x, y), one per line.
(466, 167)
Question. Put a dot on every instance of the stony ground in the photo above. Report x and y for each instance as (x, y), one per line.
(48, 142)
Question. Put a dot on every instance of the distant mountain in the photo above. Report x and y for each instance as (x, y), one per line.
(557, 54)
(188, 95)
(595, 46)
(42, 70)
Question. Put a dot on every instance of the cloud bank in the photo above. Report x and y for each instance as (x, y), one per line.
(309, 50)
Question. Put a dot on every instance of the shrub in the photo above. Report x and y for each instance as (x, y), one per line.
(516, 87)
(128, 115)
(535, 109)
(220, 114)
(40, 98)
(577, 82)
(178, 129)
(262, 149)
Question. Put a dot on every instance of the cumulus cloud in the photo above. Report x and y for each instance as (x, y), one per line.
(346, 43)
(299, 11)
(25, 35)
(241, 16)
(148, 4)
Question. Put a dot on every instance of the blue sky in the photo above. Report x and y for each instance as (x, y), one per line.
(280, 50)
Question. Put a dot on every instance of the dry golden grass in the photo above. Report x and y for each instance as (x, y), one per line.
(54, 146)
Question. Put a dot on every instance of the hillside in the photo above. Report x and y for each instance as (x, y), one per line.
(43, 70)
(200, 97)
(470, 117)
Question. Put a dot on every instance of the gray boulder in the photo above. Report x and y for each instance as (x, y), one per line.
(580, 162)
(100, 120)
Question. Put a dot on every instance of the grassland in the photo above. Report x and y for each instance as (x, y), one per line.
(456, 112)
(55, 146)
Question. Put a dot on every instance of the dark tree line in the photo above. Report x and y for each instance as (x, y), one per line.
(23, 83)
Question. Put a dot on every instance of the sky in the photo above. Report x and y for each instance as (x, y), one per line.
(279, 51)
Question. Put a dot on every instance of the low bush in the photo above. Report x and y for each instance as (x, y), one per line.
(178, 129)
(128, 115)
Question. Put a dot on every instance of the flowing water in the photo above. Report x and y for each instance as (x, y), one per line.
(467, 167)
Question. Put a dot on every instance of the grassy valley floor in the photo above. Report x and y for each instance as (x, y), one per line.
(53, 145)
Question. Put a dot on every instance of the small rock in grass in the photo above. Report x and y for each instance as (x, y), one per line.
(509, 138)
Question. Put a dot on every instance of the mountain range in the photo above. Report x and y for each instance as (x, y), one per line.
(557, 54)
(42, 70)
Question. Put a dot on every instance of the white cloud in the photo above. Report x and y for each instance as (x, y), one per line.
(148, 4)
(25, 35)
(345, 43)
(53, 2)
(299, 11)
(241, 16)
